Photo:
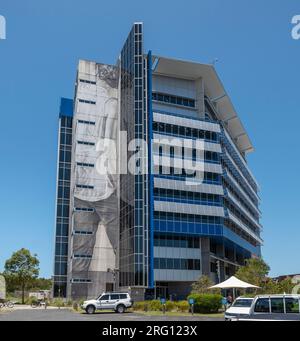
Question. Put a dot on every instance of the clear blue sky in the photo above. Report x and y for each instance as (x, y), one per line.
(258, 63)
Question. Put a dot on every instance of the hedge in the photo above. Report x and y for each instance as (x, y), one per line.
(206, 303)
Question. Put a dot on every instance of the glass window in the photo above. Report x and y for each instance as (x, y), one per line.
(114, 297)
(104, 298)
(292, 305)
(277, 305)
(262, 306)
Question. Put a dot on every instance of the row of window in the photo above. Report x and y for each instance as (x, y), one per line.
(176, 241)
(91, 123)
(176, 264)
(289, 305)
(172, 193)
(84, 209)
(82, 257)
(188, 154)
(84, 186)
(183, 101)
(83, 233)
(86, 143)
(192, 218)
(80, 280)
(172, 174)
(86, 101)
(84, 164)
(87, 81)
(187, 132)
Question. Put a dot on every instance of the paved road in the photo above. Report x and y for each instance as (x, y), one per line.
(67, 315)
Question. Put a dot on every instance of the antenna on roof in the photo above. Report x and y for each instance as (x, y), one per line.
(215, 61)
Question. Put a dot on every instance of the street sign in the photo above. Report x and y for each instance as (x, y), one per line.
(191, 301)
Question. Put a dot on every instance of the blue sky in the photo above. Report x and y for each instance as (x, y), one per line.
(258, 64)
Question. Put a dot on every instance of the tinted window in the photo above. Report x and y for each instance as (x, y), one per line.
(262, 306)
(292, 305)
(114, 297)
(242, 303)
(277, 305)
(104, 298)
(123, 296)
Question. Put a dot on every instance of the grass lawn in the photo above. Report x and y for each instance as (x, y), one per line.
(168, 313)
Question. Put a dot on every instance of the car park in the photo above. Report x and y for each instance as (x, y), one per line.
(118, 302)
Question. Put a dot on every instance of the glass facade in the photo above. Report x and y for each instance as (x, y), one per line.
(63, 198)
(133, 187)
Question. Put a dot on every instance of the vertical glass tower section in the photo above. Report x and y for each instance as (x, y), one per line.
(134, 184)
(63, 197)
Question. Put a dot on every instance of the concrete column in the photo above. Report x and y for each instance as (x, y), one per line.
(205, 256)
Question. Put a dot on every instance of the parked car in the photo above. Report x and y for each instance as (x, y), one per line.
(273, 308)
(239, 308)
(118, 302)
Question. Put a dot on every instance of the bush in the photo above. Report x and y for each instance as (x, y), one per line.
(140, 306)
(183, 306)
(155, 305)
(207, 303)
(31, 300)
(171, 306)
(58, 302)
(69, 303)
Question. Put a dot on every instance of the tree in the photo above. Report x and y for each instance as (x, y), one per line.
(201, 286)
(22, 268)
(255, 271)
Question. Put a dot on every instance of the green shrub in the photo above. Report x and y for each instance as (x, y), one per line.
(207, 303)
(31, 300)
(139, 306)
(183, 306)
(69, 303)
(171, 306)
(155, 305)
(58, 302)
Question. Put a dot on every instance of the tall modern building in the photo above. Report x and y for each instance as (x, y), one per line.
(153, 188)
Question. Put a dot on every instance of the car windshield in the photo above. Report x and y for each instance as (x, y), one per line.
(243, 303)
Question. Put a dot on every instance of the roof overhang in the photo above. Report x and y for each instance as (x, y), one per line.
(214, 89)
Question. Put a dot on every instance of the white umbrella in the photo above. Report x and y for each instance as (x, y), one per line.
(233, 283)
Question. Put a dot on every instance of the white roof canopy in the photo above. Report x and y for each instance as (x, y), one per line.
(214, 89)
(233, 282)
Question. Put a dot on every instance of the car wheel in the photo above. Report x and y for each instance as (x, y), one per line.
(90, 309)
(120, 309)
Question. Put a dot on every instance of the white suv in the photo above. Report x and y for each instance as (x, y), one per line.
(118, 302)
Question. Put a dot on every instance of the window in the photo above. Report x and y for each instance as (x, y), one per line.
(87, 122)
(77, 232)
(183, 101)
(114, 297)
(86, 143)
(83, 256)
(292, 305)
(84, 209)
(83, 164)
(87, 81)
(84, 186)
(277, 306)
(262, 306)
(81, 280)
(105, 298)
(87, 101)
(123, 296)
